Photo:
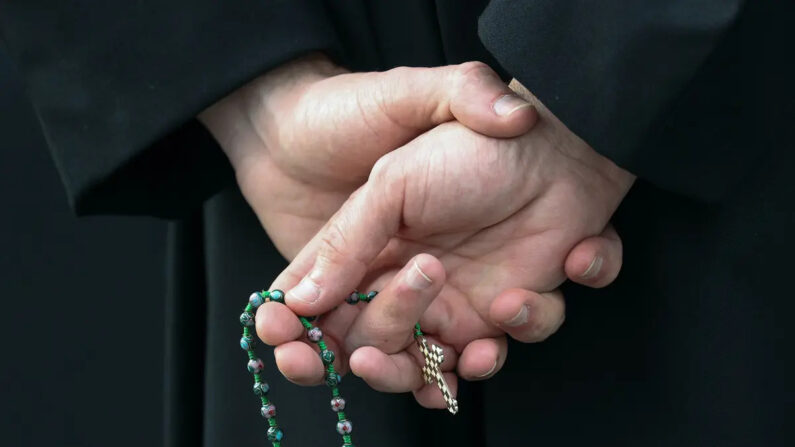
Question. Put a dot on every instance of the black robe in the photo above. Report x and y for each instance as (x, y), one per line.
(690, 346)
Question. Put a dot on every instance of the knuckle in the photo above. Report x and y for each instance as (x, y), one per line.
(470, 73)
(381, 167)
(399, 71)
(473, 70)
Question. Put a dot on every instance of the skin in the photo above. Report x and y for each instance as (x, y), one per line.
(306, 136)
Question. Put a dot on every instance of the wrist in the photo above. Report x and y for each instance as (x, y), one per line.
(614, 181)
(241, 121)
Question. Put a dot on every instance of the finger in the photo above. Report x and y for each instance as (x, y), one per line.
(450, 356)
(334, 262)
(528, 316)
(299, 363)
(429, 396)
(277, 324)
(472, 93)
(596, 261)
(397, 373)
(483, 358)
(390, 373)
(387, 322)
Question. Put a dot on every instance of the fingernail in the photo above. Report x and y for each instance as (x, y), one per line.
(487, 373)
(416, 278)
(508, 104)
(518, 319)
(307, 291)
(594, 268)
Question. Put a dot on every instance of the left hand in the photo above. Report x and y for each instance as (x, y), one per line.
(304, 136)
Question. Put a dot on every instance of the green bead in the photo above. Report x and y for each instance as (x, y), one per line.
(327, 356)
(256, 299)
(277, 296)
(332, 380)
(275, 434)
(261, 388)
(247, 319)
(247, 342)
(371, 295)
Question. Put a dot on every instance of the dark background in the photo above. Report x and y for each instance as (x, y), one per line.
(81, 304)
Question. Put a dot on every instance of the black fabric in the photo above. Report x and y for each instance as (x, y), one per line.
(185, 322)
(113, 80)
(616, 72)
(689, 347)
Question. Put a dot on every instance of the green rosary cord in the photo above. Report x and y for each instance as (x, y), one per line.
(430, 371)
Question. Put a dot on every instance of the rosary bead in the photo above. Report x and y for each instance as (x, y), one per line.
(268, 411)
(371, 295)
(255, 366)
(332, 380)
(275, 434)
(277, 295)
(247, 319)
(256, 299)
(344, 427)
(337, 404)
(327, 356)
(315, 334)
(353, 298)
(261, 388)
(247, 342)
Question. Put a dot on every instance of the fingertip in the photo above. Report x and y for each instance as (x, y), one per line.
(594, 262)
(482, 359)
(528, 316)
(366, 362)
(429, 396)
(277, 324)
(429, 268)
(299, 363)
(509, 309)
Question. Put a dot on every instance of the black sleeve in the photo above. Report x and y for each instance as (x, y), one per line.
(611, 70)
(117, 84)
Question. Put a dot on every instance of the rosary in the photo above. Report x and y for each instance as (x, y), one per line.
(433, 355)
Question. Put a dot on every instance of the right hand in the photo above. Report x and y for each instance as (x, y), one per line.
(502, 217)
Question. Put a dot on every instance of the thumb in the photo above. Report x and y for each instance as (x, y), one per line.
(334, 262)
(472, 93)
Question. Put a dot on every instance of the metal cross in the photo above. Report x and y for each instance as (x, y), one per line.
(434, 356)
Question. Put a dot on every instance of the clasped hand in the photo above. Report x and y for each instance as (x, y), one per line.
(464, 202)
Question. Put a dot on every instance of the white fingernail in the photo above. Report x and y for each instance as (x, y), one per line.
(594, 268)
(518, 319)
(416, 278)
(508, 104)
(488, 373)
(307, 291)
